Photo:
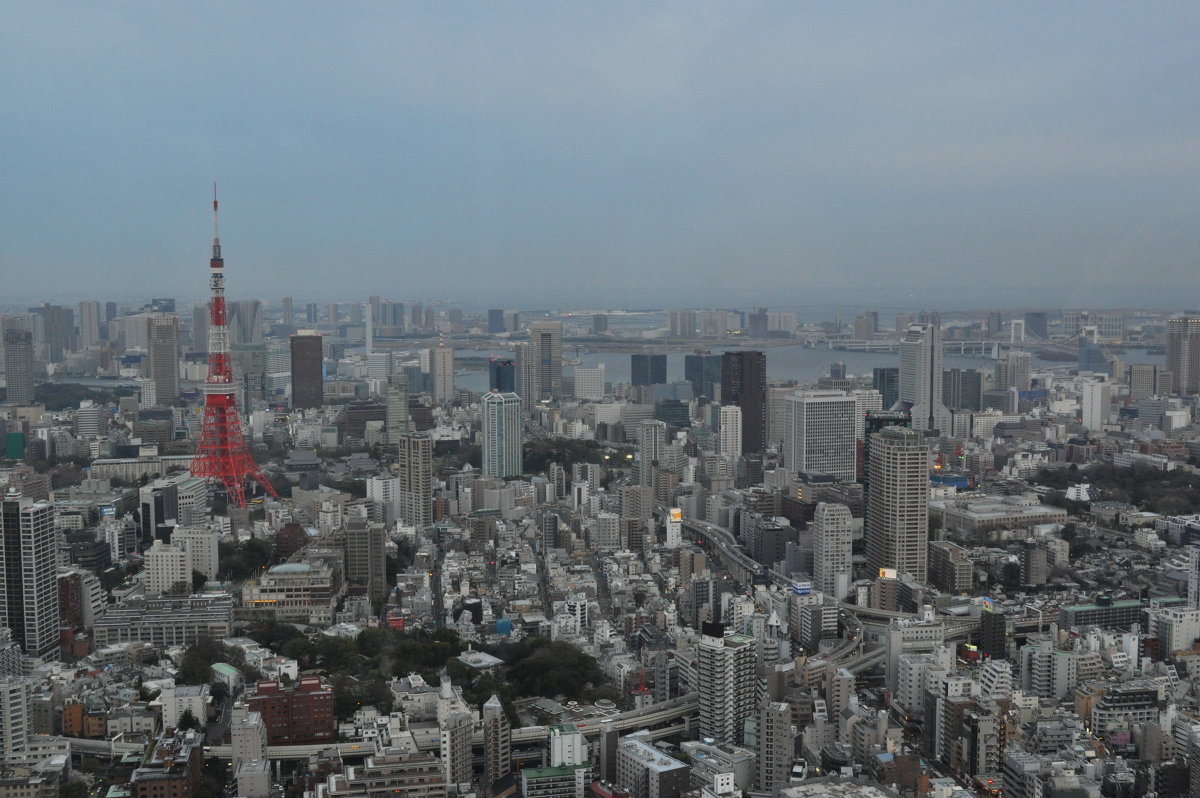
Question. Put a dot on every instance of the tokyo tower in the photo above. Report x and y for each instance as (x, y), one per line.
(222, 453)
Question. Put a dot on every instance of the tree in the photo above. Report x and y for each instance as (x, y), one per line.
(73, 789)
(188, 721)
(198, 581)
(1010, 576)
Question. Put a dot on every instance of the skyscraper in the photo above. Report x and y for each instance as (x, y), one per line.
(163, 356)
(307, 377)
(725, 666)
(652, 447)
(962, 389)
(246, 322)
(921, 376)
(502, 435)
(397, 421)
(897, 506)
(287, 314)
(744, 383)
(502, 375)
(18, 366)
(1183, 354)
(703, 371)
(886, 380)
(443, 374)
(729, 431)
(544, 369)
(495, 321)
(414, 470)
(29, 600)
(89, 323)
(1035, 325)
(832, 540)
(497, 744)
(821, 435)
(776, 745)
(648, 369)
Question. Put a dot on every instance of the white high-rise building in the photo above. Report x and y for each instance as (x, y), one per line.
(502, 435)
(168, 569)
(443, 375)
(589, 382)
(833, 527)
(201, 543)
(1095, 399)
(89, 323)
(16, 716)
(897, 512)
(921, 376)
(397, 417)
(567, 746)
(867, 401)
(414, 470)
(29, 598)
(652, 448)
(729, 431)
(456, 732)
(821, 434)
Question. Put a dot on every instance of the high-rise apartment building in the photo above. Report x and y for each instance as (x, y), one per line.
(307, 378)
(1183, 354)
(589, 382)
(683, 323)
(648, 369)
(652, 448)
(744, 383)
(541, 365)
(287, 312)
(502, 435)
(921, 376)
(776, 745)
(163, 356)
(821, 434)
(497, 744)
(1012, 371)
(443, 375)
(18, 366)
(897, 507)
(29, 599)
(832, 536)
(729, 431)
(725, 665)
(415, 474)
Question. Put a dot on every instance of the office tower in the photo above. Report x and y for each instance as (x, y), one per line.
(89, 323)
(744, 383)
(648, 369)
(544, 369)
(18, 366)
(886, 380)
(682, 323)
(832, 536)
(921, 376)
(1146, 380)
(200, 315)
(962, 389)
(397, 420)
(369, 333)
(725, 665)
(1012, 370)
(729, 431)
(497, 744)
(57, 330)
(163, 356)
(1183, 354)
(287, 314)
(1095, 399)
(589, 382)
(310, 314)
(29, 600)
(333, 314)
(502, 375)
(495, 321)
(502, 435)
(1036, 326)
(897, 506)
(443, 374)
(758, 323)
(246, 322)
(821, 434)
(1092, 355)
(703, 371)
(307, 377)
(776, 745)
(414, 470)
(652, 447)
(599, 323)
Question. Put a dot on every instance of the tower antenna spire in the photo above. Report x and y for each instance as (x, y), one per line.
(216, 226)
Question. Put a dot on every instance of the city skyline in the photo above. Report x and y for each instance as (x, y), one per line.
(710, 154)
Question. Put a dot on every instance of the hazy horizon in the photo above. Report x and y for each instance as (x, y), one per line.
(661, 155)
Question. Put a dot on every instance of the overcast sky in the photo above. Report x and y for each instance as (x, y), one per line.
(600, 154)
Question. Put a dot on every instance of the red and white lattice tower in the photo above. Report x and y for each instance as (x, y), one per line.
(222, 453)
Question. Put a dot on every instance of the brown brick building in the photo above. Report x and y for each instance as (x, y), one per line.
(299, 713)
